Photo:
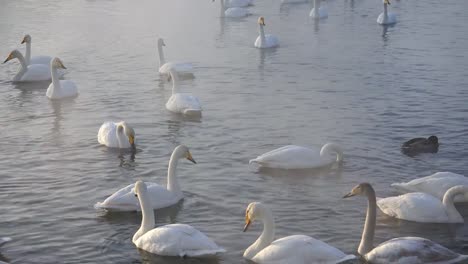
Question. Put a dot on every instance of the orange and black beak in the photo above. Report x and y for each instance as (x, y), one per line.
(9, 58)
(247, 223)
(189, 157)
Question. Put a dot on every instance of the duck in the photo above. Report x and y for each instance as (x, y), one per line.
(436, 185)
(29, 73)
(298, 157)
(36, 59)
(184, 69)
(265, 41)
(233, 12)
(60, 89)
(116, 135)
(158, 196)
(295, 249)
(386, 18)
(318, 11)
(430, 144)
(401, 249)
(169, 240)
(182, 103)
(423, 207)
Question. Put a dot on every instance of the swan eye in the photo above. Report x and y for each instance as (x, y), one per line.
(136, 195)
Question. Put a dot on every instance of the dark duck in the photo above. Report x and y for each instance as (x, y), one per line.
(421, 145)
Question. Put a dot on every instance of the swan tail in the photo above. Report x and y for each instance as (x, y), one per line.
(192, 112)
(4, 240)
(401, 187)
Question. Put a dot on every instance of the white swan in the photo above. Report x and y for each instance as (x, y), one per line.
(423, 207)
(318, 11)
(265, 41)
(36, 59)
(29, 73)
(59, 89)
(233, 11)
(159, 196)
(436, 185)
(295, 249)
(169, 240)
(182, 103)
(386, 18)
(184, 69)
(398, 250)
(4, 240)
(297, 157)
(238, 3)
(116, 135)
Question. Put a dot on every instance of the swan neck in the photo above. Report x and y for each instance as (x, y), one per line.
(223, 9)
(55, 80)
(147, 222)
(448, 202)
(28, 53)
(316, 8)
(172, 183)
(262, 35)
(331, 147)
(24, 64)
(265, 239)
(162, 60)
(175, 82)
(120, 138)
(385, 10)
(367, 239)
(23, 67)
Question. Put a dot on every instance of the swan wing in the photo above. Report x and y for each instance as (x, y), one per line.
(298, 249)
(107, 135)
(177, 240)
(67, 89)
(179, 67)
(418, 207)
(36, 72)
(271, 40)
(180, 102)
(413, 250)
(40, 60)
(291, 157)
(125, 200)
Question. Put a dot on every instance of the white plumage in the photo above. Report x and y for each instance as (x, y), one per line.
(265, 41)
(29, 73)
(386, 18)
(116, 135)
(36, 59)
(60, 89)
(184, 69)
(182, 103)
(318, 11)
(4, 240)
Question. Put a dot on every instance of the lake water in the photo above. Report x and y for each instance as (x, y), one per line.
(345, 79)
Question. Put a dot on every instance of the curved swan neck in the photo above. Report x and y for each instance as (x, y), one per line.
(175, 81)
(28, 52)
(262, 35)
(162, 61)
(265, 239)
(23, 67)
(331, 147)
(55, 80)
(121, 138)
(367, 239)
(147, 222)
(448, 199)
(172, 183)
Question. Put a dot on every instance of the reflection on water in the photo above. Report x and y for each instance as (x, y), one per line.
(147, 257)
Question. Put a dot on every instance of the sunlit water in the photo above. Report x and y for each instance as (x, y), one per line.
(345, 79)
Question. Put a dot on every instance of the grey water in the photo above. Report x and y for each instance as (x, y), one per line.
(345, 79)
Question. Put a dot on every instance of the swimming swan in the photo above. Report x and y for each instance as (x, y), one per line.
(29, 73)
(295, 249)
(184, 69)
(169, 240)
(297, 157)
(233, 11)
(436, 185)
(386, 18)
(265, 41)
(36, 59)
(116, 135)
(397, 250)
(182, 103)
(158, 196)
(318, 11)
(423, 207)
(59, 89)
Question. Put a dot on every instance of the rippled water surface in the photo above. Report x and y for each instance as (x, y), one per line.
(345, 79)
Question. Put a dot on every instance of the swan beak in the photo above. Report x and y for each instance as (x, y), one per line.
(387, 2)
(189, 157)
(348, 195)
(24, 41)
(9, 58)
(131, 139)
(62, 66)
(247, 223)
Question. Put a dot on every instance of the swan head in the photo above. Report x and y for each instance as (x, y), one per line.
(261, 21)
(254, 211)
(386, 2)
(58, 64)
(139, 188)
(433, 140)
(26, 39)
(361, 189)
(14, 54)
(123, 128)
(161, 42)
(182, 151)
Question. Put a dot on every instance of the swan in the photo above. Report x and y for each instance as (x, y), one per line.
(265, 41)
(184, 69)
(159, 196)
(397, 250)
(182, 103)
(116, 135)
(4, 240)
(29, 73)
(36, 59)
(297, 157)
(59, 89)
(238, 3)
(320, 12)
(436, 185)
(386, 18)
(169, 240)
(295, 249)
(423, 207)
(233, 11)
